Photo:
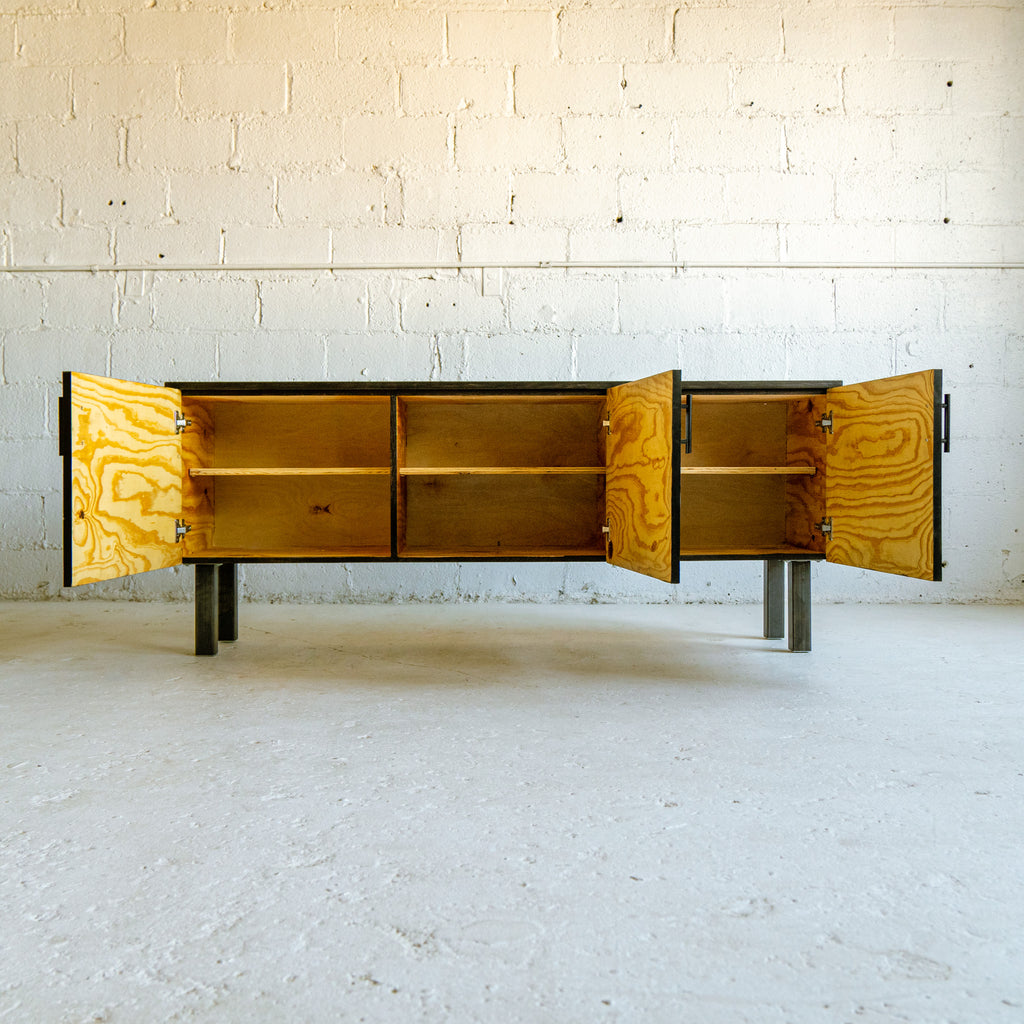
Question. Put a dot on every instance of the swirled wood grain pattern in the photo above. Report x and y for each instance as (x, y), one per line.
(880, 478)
(642, 483)
(125, 478)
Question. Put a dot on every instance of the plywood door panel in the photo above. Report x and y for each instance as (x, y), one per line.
(122, 478)
(642, 483)
(881, 489)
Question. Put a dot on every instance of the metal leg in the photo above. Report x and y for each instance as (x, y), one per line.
(206, 608)
(227, 601)
(800, 606)
(774, 598)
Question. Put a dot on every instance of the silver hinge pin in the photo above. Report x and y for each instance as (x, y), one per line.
(607, 424)
(826, 526)
(825, 423)
(180, 423)
(180, 529)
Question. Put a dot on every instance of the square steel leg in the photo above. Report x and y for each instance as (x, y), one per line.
(227, 601)
(207, 608)
(774, 598)
(800, 606)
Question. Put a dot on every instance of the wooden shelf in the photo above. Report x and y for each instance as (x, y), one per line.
(765, 551)
(750, 397)
(293, 471)
(501, 552)
(752, 470)
(500, 470)
(279, 553)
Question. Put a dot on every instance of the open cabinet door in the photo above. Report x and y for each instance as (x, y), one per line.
(882, 475)
(122, 477)
(642, 480)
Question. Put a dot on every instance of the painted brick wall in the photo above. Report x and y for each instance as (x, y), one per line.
(737, 131)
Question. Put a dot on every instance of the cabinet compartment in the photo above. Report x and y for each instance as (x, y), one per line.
(754, 483)
(503, 516)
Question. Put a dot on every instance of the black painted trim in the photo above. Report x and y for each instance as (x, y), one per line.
(937, 434)
(675, 501)
(64, 429)
(255, 559)
(394, 476)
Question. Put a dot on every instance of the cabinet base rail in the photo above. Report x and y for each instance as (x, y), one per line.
(217, 604)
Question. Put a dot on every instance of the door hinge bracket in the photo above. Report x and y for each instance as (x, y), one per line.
(180, 529)
(607, 424)
(825, 423)
(180, 423)
(825, 526)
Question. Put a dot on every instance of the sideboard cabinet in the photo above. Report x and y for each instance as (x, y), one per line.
(644, 475)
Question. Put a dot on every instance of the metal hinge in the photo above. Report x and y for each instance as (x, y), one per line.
(825, 423)
(180, 423)
(607, 528)
(180, 529)
(607, 424)
(825, 526)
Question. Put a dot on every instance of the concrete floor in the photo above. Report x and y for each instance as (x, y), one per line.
(504, 814)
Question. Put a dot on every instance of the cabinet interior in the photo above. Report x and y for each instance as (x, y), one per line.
(754, 482)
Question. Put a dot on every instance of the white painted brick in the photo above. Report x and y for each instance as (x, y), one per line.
(512, 37)
(29, 201)
(344, 197)
(617, 142)
(893, 87)
(1012, 132)
(728, 33)
(185, 36)
(726, 242)
(275, 143)
(887, 195)
(834, 36)
(625, 356)
(221, 198)
(172, 144)
(897, 302)
(396, 142)
(21, 302)
(568, 89)
(682, 302)
(658, 197)
(42, 356)
(838, 144)
(332, 89)
(73, 245)
(778, 197)
(81, 142)
(35, 92)
(940, 33)
(8, 149)
(518, 357)
(83, 303)
(621, 243)
(827, 243)
(603, 34)
(962, 360)
(406, 357)
(6, 38)
(569, 197)
(124, 90)
(383, 289)
(163, 355)
(456, 198)
(389, 245)
(404, 35)
(234, 89)
(546, 301)
(120, 198)
(443, 90)
(22, 516)
(786, 89)
(251, 244)
(321, 303)
(32, 574)
(848, 357)
(508, 142)
(494, 244)
(256, 355)
(728, 143)
(283, 35)
(22, 411)
(984, 301)
(779, 301)
(744, 355)
(985, 197)
(987, 88)
(941, 243)
(203, 304)
(168, 243)
(69, 39)
(454, 304)
(677, 88)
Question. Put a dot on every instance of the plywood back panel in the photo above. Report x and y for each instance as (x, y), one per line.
(881, 483)
(737, 433)
(643, 475)
(125, 491)
(726, 513)
(502, 432)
